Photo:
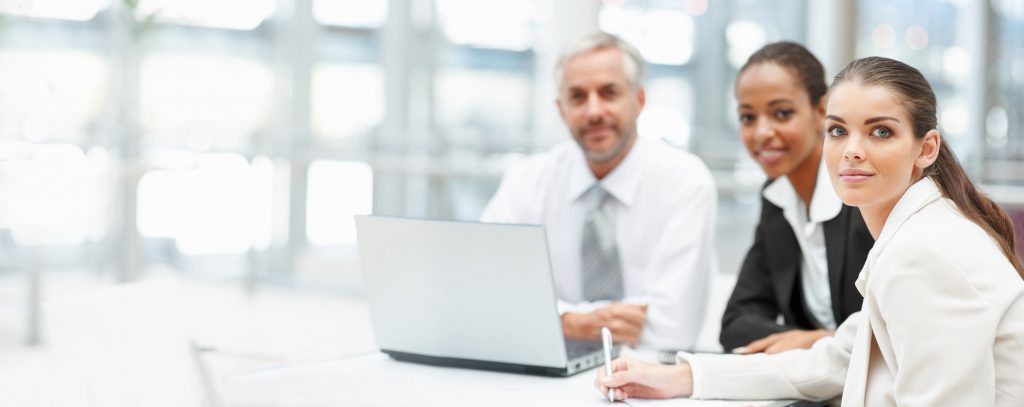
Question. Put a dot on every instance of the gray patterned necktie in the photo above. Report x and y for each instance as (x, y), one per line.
(602, 269)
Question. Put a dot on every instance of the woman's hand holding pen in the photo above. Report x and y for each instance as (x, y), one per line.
(633, 378)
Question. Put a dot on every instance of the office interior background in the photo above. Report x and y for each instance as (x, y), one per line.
(227, 144)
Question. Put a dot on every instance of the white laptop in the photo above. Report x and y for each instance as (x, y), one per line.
(466, 294)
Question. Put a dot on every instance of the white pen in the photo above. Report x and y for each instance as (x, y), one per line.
(606, 342)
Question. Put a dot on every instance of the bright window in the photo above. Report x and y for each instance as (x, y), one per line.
(55, 197)
(351, 13)
(203, 102)
(76, 10)
(667, 112)
(208, 203)
(347, 99)
(663, 36)
(233, 14)
(336, 190)
(472, 98)
(57, 96)
(490, 24)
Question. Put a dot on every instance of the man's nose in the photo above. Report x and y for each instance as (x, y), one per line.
(594, 107)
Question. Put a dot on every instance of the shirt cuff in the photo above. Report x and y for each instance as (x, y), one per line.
(695, 371)
(580, 307)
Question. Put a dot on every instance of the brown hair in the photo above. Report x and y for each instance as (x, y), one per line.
(919, 100)
(798, 60)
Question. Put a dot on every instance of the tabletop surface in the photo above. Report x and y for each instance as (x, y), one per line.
(375, 379)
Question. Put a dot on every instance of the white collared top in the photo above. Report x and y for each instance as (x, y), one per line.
(663, 203)
(808, 226)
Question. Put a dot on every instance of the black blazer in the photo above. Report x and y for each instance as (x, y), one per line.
(769, 281)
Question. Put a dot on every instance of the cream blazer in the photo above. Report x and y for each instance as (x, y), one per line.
(942, 324)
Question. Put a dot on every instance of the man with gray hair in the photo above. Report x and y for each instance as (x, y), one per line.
(630, 220)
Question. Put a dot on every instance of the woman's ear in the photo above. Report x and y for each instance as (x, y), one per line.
(930, 146)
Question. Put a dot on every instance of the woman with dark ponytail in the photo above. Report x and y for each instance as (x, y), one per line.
(942, 321)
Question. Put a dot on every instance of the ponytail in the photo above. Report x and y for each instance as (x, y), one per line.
(955, 185)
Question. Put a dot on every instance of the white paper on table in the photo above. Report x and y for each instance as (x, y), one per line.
(705, 403)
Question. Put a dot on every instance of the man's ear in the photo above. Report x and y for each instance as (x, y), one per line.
(558, 105)
(930, 146)
(641, 98)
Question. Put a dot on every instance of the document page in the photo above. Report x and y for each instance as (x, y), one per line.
(706, 403)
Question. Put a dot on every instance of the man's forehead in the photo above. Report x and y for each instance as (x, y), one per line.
(595, 68)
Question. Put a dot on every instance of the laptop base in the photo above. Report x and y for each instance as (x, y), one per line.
(479, 364)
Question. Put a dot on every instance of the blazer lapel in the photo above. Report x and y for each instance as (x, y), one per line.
(785, 258)
(835, 255)
(855, 389)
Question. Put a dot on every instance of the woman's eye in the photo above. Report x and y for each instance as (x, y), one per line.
(783, 114)
(746, 118)
(881, 132)
(836, 131)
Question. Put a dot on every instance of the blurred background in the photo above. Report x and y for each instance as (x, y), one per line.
(227, 143)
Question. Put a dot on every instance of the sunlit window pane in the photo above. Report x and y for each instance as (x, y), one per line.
(216, 207)
(203, 102)
(482, 99)
(234, 14)
(351, 13)
(663, 36)
(744, 37)
(57, 197)
(76, 10)
(50, 95)
(1005, 120)
(491, 24)
(346, 99)
(337, 190)
(667, 112)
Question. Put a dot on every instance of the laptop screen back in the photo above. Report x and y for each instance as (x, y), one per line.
(461, 289)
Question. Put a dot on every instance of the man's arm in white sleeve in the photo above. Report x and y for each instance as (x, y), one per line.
(680, 269)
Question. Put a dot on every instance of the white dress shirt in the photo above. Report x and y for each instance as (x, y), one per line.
(809, 228)
(663, 203)
(942, 324)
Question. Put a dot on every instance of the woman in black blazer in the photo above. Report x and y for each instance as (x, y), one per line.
(792, 290)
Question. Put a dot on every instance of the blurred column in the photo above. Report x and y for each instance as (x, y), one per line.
(34, 320)
(831, 33)
(568, 19)
(397, 56)
(974, 31)
(295, 34)
(123, 121)
(711, 55)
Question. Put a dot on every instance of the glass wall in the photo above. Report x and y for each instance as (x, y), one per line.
(223, 137)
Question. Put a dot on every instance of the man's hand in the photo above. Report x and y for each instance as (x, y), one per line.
(626, 321)
(783, 341)
(631, 378)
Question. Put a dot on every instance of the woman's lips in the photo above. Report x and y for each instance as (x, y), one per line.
(770, 156)
(853, 175)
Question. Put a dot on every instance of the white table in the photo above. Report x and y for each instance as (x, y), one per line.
(377, 380)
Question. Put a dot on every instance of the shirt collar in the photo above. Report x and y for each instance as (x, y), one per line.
(622, 183)
(919, 195)
(825, 204)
